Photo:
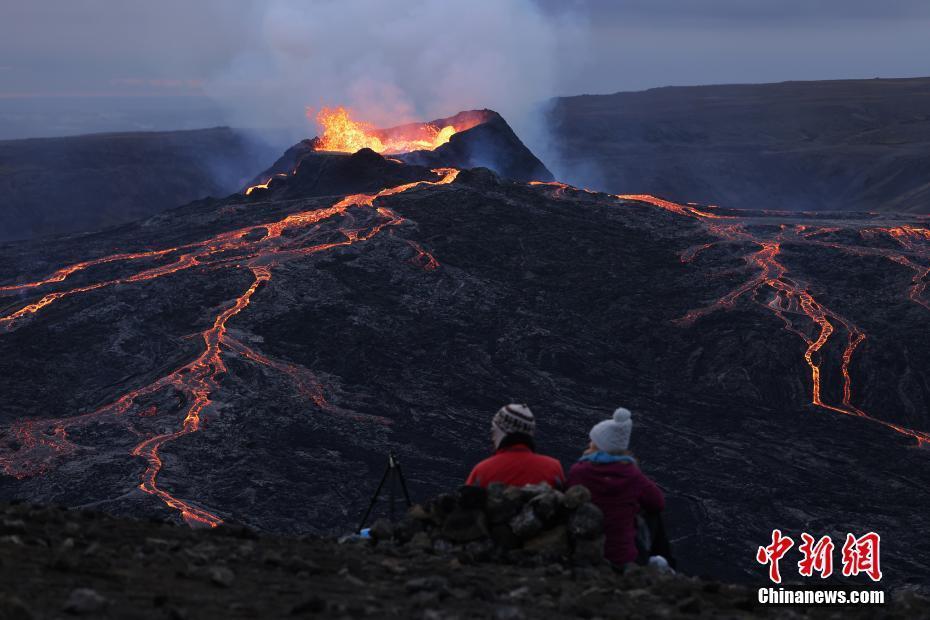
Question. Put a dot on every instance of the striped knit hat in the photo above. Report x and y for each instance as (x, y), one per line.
(512, 419)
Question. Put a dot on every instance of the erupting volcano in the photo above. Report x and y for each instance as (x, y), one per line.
(341, 133)
(466, 140)
(242, 359)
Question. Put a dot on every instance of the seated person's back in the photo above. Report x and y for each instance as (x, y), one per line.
(515, 461)
(617, 485)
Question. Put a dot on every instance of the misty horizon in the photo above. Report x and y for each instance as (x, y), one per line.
(87, 66)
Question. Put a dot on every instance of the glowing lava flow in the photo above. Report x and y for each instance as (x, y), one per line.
(249, 190)
(341, 133)
(423, 259)
(792, 297)
(64, 272)
(37, 444)
(198, 383)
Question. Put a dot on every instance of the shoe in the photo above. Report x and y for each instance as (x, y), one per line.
(661, 564)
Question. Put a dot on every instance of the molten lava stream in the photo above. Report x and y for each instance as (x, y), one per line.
(198, 379)
(225, 242)
(915, 242)
(64, 272)
(197, 384)
(423, 259)
(772, 275)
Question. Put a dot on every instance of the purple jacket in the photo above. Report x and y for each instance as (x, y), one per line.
(620, 490)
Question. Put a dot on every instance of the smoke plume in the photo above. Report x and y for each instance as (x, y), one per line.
(396, 62)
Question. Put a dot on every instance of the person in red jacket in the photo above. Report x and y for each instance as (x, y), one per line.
(617, 486)
(515, 461)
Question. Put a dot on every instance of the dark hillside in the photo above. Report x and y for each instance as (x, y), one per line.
(65, 185)
(851, 145)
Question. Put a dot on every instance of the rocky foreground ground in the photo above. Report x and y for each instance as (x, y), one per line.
(60, 563)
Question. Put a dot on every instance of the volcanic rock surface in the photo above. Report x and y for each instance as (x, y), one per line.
(252, 359)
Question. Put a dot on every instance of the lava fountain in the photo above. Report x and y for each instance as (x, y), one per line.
(343, 134)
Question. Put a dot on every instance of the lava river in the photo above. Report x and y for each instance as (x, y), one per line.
(771, 286)
(258, 249)
(789, 298)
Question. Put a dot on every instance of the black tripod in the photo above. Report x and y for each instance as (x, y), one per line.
(392, 475)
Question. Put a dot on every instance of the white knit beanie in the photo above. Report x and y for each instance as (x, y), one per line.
(613, 435)
(512, 419)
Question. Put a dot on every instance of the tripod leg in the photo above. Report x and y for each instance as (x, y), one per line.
(392, 494)
(374, 499)
(403, 486)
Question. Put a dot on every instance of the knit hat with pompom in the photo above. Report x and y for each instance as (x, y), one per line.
(511, 419)
(613, 435)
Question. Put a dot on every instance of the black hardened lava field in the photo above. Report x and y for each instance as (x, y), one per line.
(252, 359)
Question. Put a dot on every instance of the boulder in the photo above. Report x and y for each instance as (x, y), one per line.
(463, 526)
(421, 541)
(526, 524)
(502, 507)
(587, 522)
(382, 529)
(479, 550)
(85, 601)
(503, 537)
(406, 528)
(547, 506)
(575, 497)
(418, 512)
(588, 551)
(551, 543)
(440, 506)
(529, 491)
(523, 524)
(426, 584)
(471, 497)
(221, 576)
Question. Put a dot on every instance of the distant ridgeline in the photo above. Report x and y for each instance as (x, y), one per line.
(83, 183)
(845, 145)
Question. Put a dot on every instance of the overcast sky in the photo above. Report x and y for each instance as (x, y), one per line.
(229, 54)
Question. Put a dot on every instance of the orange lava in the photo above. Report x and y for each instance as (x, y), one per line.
(264, 185)
(36, 445)
(343, 134)
(792, 297)
(64, 272)
(423, 259)
(674, 207)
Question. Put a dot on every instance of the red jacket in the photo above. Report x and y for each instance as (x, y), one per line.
(620, 490)
(517, 465)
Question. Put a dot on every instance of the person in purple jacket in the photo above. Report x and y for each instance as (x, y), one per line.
(617, 486)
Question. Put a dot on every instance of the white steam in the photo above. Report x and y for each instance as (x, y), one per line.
(395, 62)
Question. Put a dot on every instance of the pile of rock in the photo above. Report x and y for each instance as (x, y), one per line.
(503, 522)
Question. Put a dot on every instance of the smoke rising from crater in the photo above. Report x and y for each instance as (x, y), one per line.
(394, 62)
